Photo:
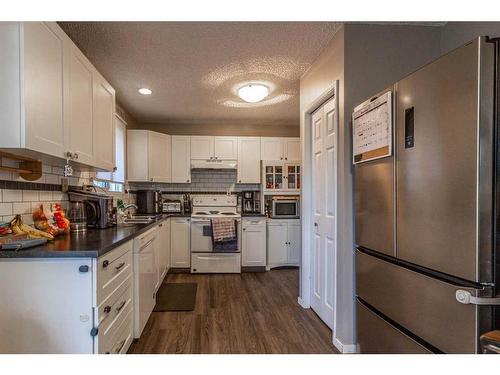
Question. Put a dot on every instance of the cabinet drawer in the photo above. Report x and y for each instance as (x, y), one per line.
(250, 223)
(122, 337)
(112, 270)
(114, 304)
(376, 336)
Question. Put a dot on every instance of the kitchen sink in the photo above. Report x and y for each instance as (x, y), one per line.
(139, 220)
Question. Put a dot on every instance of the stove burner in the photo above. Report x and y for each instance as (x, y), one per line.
(200, 213)
(214, 212)
(227, 213)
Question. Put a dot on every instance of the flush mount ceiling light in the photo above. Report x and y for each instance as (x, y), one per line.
(253, 92)
(145, 91)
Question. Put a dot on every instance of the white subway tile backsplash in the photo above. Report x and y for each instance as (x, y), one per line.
(12, 195)
(27, 219)
(59, 196)
(5, 209)
(57, 170)
(45, 196)
(30, 196)
(21, 208)
(52, 179)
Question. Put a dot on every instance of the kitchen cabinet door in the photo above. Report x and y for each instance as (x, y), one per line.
(103, 123)
(292, 149)
(294, 242)
(43, 88)
(181, 159)
(277, 250)
(159, 155)
(248, 160)
(137, 158)
(253, 244)
(180, 243)
(78, 106)
(202, 147)
(226, 148)
(271, 148)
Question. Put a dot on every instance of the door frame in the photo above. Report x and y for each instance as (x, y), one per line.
(307, 220)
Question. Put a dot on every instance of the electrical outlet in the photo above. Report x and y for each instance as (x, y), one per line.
(64, 184)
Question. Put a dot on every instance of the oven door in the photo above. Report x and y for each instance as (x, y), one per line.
(201, 235)
(285, 209)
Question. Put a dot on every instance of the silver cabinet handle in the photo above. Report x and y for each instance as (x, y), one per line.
(465, 297)
(121, 306)
(119, 266)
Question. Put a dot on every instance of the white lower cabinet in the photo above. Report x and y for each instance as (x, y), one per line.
(67, 305)
(163, 251)
(283, 242)
(180, 252)
(253, 242)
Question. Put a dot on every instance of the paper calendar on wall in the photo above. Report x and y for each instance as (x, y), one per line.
(372, 129)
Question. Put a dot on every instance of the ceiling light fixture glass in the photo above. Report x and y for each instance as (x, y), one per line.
(145, 91)
(253, 92)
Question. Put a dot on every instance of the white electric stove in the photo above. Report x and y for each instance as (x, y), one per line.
(203, 258)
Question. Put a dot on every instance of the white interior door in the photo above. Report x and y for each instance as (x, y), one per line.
(324, 177)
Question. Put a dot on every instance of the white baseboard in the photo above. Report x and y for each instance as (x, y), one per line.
(302, 303)
(344, 349)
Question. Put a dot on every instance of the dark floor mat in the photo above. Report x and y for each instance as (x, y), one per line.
(176, 297)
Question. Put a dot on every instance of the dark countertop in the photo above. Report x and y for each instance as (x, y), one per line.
(91, 244)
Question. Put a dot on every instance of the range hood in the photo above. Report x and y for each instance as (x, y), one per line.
(213, 164)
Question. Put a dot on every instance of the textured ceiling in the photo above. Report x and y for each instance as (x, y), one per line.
(193, 68)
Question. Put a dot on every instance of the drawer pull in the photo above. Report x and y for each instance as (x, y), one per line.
(121, 306)
(107, 309)
(118, 267)
(105, 263)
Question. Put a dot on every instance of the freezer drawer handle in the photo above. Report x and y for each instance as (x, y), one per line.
(465, 297)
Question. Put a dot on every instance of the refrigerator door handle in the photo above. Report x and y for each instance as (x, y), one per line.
(465, 297)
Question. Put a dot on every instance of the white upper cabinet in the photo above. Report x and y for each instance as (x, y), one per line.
(226, 148)
(53, 100)
(181, 159)
(103, 123)
(148, 156)
(248, 160)
(79, 131)
(291, 149)
(159, 153)
(202, 147)
(275, 148)
(271, 148)
(214, 148)
(32, 87)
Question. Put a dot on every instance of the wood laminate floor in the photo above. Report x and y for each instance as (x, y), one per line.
(247, 313)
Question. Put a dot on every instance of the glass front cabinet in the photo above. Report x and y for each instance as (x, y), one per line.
(283, 177)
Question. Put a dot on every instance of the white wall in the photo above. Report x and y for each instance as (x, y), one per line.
(455, 34)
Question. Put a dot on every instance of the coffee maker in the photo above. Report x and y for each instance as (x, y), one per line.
(250, 202)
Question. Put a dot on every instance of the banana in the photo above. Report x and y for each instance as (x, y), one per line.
(35, 232)
(18, 227)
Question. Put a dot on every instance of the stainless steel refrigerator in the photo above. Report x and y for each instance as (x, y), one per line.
(427, 258)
